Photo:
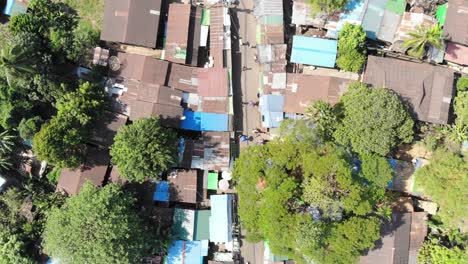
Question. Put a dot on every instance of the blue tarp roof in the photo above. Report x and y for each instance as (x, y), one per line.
(272, 108)
(221, 218)
(201, 121)
(162, 192)
(314, 51)
(187, 252)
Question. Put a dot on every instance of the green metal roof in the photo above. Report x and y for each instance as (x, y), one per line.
(206, 17)
(212, 181)
(396, 6)
(441, 13)
(202, 225)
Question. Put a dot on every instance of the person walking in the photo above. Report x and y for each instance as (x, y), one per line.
(250, 103)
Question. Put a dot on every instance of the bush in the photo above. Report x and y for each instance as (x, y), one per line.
(351, 49)
(27, 128)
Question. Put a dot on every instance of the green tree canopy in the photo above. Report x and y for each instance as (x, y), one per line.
(445, 180)
(351, 49)
(305, 198)
(327, 6)
(144, 149)
(422, 38)
(374, 120)
(15, 62)
(325, 118)
(27, 128)
(99, 225)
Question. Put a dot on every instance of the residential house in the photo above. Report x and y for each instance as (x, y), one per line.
(401, 237)
(314, 51)
(191, 225)
(187, 252)
(134, 22)
(456, 20)
(184, 78)
(217, 36)
(185, 186)
(303, 90)
(456, 53)
(382, 18)
(410, 23)
(270, 28)
(142, 100)
(141, 68)
(221, 218)
(105, 129)
(93, 170)
(272, 59)
(272, 110)
(427, 89)
(183, 34)
(202, 121)
(210, 153)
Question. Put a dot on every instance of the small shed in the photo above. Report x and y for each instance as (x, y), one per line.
(202, 225)
(212, 180)
(187, 252)
(272, 110)
(202, 121)
(314, 51)
(221, 218)
(191, 224)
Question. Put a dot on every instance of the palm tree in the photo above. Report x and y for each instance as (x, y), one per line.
(15, 62)
(6, 142)
(422, 38)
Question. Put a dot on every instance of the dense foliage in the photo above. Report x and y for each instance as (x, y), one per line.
(374, 120)
(60, 141)
(458, 132)
(422, 38)
(351, 49)
(97, 226)
(144, 149)
(327, 6)
(444, 247)
(306, 198)
(325, 118)
(446, 171)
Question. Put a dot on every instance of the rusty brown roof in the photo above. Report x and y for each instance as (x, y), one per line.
(211, 152)
(184, 186)
(184, 78)
(303, 90)
(427, 89)
(142, 68)
(456, 22)
(133, 22)
(213, 82)
(456, 53)
(93, 170)
(106, 127)
(178, 22)
(217, 34)
(218, 105)
(271, 34)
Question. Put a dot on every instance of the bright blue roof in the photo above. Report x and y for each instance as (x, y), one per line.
(314, 51)
(272, 108)
(201, 121)
(162, 192)
(353, 13)
(220, 219)
(187, 252)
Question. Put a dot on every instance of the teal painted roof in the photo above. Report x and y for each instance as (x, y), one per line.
(314, 51)
(202, 225)
(373, 17)
(221, 219)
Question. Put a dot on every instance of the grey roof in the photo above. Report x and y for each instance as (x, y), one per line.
(268, 8)
(389, 26)
(427, 89)
(456, 23)
(131, 21)
(302, 15)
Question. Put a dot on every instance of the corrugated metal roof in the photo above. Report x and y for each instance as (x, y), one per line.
(93, 170)
(268, 8)
(396, 6)
(178, 22)
(428, 89)
(213, 82)
(202, 225)
(216, 154)
(389, 26)
(184, 186)
(106, 127)
(373, 17)
(303, 90)
(201, 121)
(302, 15)
(141, 68)
(221, 218)
(184, 78)
(271, 34)
(456, 53)
(456, 21)
(187, 252)
(217, 35)
(411, 21)
(314, 51)
(271, 108)
(133, 22)
(184, 224)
